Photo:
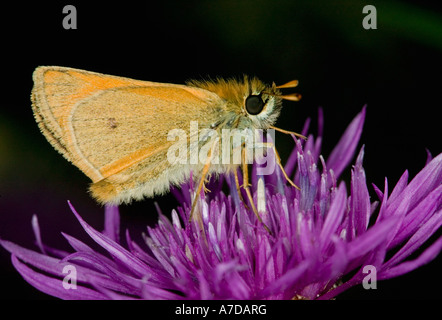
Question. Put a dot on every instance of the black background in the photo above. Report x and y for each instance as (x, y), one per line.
(394, 69)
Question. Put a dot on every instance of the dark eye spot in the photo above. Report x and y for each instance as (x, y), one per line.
(112, 123)
(254, 104)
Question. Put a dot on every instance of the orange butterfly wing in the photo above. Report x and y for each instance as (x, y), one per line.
(105, 124)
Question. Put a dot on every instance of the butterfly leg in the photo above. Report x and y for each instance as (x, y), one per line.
(204, 176)
(200, 186)
(278, 161)
(238, 188)
(245, 171)
(289, 132)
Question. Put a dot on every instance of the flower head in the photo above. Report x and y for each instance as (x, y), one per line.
(321, 238)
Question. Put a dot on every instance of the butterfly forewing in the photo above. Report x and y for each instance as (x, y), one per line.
(111, 126)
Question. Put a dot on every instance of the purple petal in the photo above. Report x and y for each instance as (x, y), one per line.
(112, 223)
(161, 256)
(82, 247)
(418, 216)
(43, 262)
(36, 229)
(111, 295)
(344, 151)
(400, 186)
(428, 255)
(55, 267)
(336, 264)
(360, 207)
(334, 215)
(53, 286)
(425, 181)
(154, 293)
(334, 292)
(77, 245)
(287, 280)
(383, 197)
(117, 251)
(429, 156)
(291, 162)
(370, 239)
(104, 275)
(417, 239)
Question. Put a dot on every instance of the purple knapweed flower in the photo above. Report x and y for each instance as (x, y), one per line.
(319, 236)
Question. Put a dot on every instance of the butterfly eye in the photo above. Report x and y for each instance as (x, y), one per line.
(254, 104)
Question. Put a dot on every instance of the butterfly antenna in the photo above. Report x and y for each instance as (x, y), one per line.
(291, 96)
